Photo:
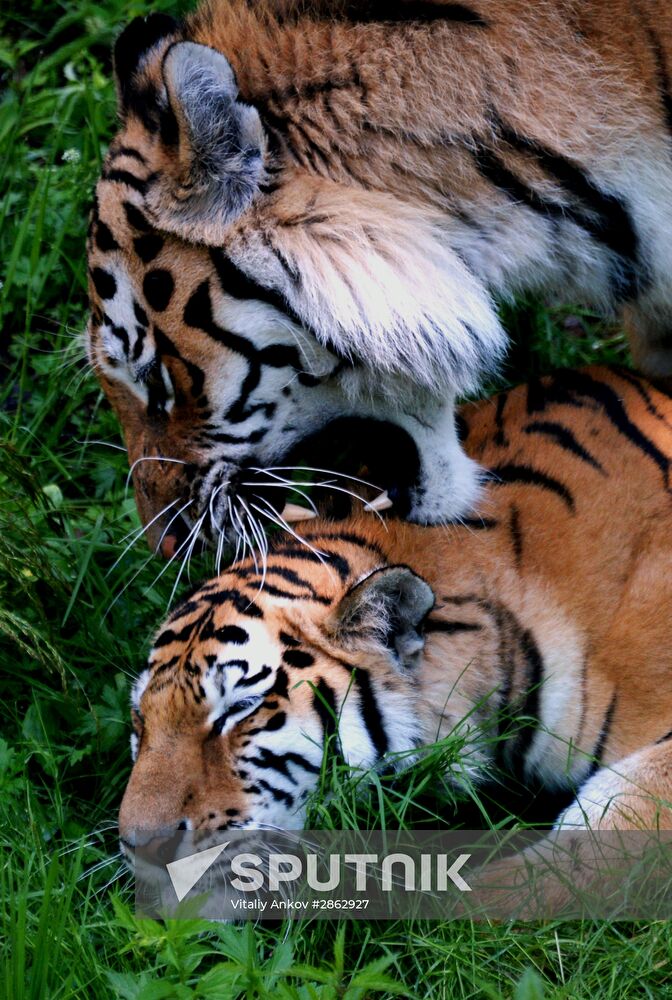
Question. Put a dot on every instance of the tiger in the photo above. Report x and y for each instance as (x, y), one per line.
(311, 210)
(537, 635)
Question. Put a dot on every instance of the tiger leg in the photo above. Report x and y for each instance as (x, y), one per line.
(650, 336)
(620, 813)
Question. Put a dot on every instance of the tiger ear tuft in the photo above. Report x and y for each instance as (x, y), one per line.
(388, 608)
(219, 160)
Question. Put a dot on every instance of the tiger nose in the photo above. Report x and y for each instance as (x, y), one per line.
(168, 546)
(140, 836)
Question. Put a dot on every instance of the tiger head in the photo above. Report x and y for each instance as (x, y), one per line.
(242, 301)
(248, 687)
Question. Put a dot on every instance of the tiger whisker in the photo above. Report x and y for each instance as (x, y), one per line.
(246, 538)
(325, 485)
(280, 521)
(99, 865)
(128, 584)
(117, 875)
(211, 502)
(137, 533)
(235, 557)
(151, 458)
(172, 558)
(192, 538)
(258, 534)
(284, 485)
(312, 468)
(218, 555)
(107, 444)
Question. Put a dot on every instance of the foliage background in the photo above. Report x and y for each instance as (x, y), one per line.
(75, 621)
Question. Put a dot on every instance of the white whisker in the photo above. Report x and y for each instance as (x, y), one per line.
(235, 557)
(325, 472)
(192, 538)
(138, 533)
(286, 485)
(99, 865)
(151, 458)
(278, 519)
(106, 444)
(246, 539)
(258, 534)
(218, 556)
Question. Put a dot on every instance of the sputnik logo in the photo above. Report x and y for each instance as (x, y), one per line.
(185, 873)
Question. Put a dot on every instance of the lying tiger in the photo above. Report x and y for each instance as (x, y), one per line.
(552, 607)
(311, 208)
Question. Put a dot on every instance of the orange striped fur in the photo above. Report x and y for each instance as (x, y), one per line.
(341, 191)
(551, 605)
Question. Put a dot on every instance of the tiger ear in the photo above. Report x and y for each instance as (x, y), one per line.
(214, 170)
(387, 608)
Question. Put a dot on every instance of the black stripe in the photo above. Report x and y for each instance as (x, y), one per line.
(347, 536)
(254, 678)
(612, 224)
(519, 473)
(105, 241)
(450, 627)
(291, 577)
(281, 684)
(298, 658)
(135, 218)
(148, 246)
(220, 438)
(241, 602)
(169, 635)
(198, 313)
(128, 151)
(603, 735)
(166, 665)
(233, 634)
(239, 285)
(279, 762)
(125, 177)
(534, 666)
(584, 385)
(500, 437)
(167, 348)
(228, 664)
(333, 560)
(563, 437)
(277, 793)
(324, 703)
(476, 523)
(311, 594)
(605, 219)
(402, 11)
(371, 714)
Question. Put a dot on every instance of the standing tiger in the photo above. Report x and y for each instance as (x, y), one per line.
(310, 208)
(541, 631)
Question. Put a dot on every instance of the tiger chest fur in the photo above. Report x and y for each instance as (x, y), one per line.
(538, 632)
(310, 209)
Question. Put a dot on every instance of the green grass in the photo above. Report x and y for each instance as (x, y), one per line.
(74, 627)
